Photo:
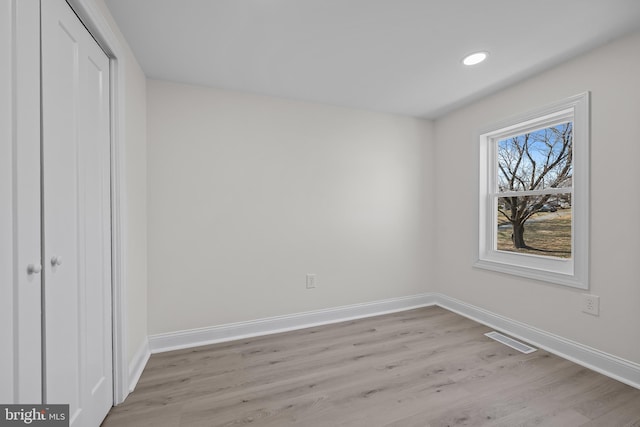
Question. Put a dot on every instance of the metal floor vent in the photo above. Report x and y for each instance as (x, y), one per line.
(523, 348)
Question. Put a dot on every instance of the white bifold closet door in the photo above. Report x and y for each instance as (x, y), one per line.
(77, 350)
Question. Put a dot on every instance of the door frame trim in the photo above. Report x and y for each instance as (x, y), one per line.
(99, 27)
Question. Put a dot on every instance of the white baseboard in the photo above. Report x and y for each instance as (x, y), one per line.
(234, 331)
(617, 368)
(138, 363)
(612, 366)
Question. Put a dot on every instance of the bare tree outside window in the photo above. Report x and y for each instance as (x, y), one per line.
(532, 169)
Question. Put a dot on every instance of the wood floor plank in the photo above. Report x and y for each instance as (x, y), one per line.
(423, 367)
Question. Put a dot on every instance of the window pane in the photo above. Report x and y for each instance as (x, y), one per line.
(536, 160)
(539, 225)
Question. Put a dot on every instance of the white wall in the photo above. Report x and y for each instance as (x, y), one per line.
(135, 197)
(247, 194)
(136, 207)
(611, 73)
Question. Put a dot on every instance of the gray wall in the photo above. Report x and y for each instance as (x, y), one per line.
(611, 73)
(248, 194)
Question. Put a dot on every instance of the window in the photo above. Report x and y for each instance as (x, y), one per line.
(533, 194)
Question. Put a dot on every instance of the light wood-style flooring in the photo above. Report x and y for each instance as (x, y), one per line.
(424, 367)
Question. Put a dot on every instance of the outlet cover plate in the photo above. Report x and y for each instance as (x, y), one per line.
(311, 281)
(591, 304)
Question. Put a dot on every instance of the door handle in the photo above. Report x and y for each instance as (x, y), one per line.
(34, 268)
(56, 260)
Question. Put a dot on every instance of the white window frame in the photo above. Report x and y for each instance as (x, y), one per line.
(572, 272)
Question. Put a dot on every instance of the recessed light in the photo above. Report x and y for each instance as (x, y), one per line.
(475, 58)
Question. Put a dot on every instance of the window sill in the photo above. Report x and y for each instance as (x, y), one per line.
(532, 273)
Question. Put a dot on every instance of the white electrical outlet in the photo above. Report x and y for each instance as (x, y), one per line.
(591, 304)
(311, 281)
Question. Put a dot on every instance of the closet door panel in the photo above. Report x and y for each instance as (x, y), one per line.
(95, 222)
(76, 217)
(60, 187)
(20, 285)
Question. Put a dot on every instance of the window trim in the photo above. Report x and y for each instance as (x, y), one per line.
(572, 272)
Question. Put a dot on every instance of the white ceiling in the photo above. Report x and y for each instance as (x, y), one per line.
(397, 56)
